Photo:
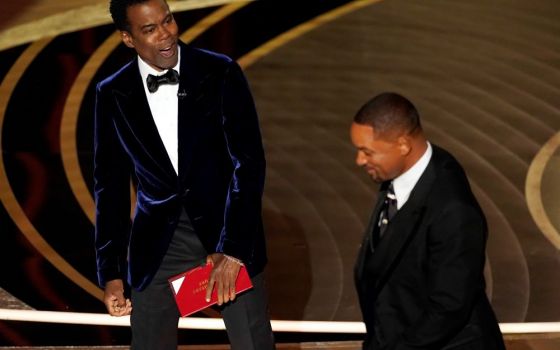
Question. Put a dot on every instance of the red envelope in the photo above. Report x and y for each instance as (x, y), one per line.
(189, 288)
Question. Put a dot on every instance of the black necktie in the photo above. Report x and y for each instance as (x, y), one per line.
(386, 213)
(154, 81)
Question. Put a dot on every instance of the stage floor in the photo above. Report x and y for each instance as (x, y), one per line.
(532, 342)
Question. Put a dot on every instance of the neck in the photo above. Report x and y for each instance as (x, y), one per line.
(417, 150)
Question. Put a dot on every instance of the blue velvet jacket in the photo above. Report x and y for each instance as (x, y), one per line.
(221, 169)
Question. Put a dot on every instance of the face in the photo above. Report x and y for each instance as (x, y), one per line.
(382, 159)
(153, 34)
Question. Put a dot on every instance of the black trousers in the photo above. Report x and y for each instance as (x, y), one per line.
(155, 315)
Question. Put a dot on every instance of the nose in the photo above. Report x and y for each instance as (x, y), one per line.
(360, 158)
(164, 33)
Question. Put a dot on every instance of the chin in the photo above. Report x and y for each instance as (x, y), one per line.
(167, 65)
(376, 180)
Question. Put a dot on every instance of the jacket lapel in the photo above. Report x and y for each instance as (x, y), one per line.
(402, 229)
(366, 243)
(191, 87)
(132, 101)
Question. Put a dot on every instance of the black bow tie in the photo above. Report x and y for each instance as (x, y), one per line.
(154, 81)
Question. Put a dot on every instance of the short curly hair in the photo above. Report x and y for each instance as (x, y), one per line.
(118, 9)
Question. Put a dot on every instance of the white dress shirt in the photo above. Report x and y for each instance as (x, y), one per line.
(404, 184)
(164, 106)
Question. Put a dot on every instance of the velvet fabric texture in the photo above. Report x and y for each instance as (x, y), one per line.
(423, 286)
(221, 169)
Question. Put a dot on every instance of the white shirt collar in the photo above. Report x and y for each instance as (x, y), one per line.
(404, 184)
(146, 69)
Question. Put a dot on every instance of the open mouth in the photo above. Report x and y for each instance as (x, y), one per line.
(168, 51)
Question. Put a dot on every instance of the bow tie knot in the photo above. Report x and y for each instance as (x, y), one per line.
(154, 81)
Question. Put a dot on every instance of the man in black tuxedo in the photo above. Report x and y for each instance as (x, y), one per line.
(419, 273)
(181, 121)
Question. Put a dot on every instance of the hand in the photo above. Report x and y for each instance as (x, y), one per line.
(114, 299)
(223, 275)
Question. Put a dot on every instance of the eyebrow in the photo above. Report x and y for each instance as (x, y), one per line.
(145, 26)
(167, 16)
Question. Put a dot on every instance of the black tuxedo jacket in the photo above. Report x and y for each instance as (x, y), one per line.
(423, 286)
(221, 169)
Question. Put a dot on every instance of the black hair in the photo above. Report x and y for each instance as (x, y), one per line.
(118, 10)
(388, 113)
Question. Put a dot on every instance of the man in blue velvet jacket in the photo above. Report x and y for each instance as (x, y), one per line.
(181, 121)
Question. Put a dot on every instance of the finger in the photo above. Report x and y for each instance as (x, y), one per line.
(119, 309)
(116, 299)
(225, 292)
(234, 271)
(109, 300)
(232, 292)
(209, 288)
(110, 304)
(111, 310)
(116, 310)
(221, 291)
(230, 283)
(128, 307)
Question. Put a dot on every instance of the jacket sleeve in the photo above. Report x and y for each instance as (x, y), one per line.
(111, 191)
(242, 217)
(456, 251)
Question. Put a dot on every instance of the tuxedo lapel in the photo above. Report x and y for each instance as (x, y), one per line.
(401, 229)
(192, 91)
(366, 244)
(186, 132)
(132, 101)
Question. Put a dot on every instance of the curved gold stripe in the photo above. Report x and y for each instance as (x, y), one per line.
(210, 20)
(7, 196)
(82, 18)
(533, 190)
(300, 30)
(68, 125)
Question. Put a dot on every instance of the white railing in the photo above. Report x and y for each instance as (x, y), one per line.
(218, 324)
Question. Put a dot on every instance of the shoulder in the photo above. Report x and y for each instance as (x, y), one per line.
(121, 77)
(447, 167)
(211, 57)
(203, 58)
(452, 183)
(204, 63)
(451, 201)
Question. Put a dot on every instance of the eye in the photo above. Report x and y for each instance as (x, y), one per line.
(368, 152)
(149, 30)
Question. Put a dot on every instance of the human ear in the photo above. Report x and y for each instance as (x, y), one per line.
(126, 38)
(404, 145)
